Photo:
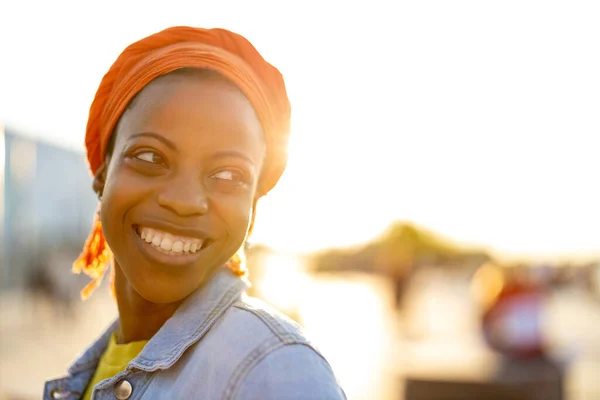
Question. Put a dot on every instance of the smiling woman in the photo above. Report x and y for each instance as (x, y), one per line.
(187, 132)
(185, 168)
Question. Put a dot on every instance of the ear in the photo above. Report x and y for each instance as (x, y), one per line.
(100, 179)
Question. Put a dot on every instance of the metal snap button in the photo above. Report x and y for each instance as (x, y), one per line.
(57, 394)
(123, 390)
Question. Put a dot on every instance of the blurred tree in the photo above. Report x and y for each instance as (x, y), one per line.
(401, 249)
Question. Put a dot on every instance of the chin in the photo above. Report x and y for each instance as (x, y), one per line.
(161, 285)
(163, 294)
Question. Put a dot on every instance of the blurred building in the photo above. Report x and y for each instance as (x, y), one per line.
(46, 203)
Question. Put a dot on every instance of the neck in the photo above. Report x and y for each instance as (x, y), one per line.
(139, 319)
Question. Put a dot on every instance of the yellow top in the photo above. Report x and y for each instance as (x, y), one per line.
(114, 360)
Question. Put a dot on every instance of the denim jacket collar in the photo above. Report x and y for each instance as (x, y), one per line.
(188, 324)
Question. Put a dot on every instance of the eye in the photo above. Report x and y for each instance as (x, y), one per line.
(230, 176)
(150, 157)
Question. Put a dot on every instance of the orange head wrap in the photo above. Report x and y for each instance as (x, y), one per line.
(220, 50)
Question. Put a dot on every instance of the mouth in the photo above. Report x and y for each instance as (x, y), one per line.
(169, 244)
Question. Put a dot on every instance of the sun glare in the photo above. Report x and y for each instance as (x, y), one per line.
(282, 281)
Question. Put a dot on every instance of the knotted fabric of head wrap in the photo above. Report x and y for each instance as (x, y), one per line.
(175, 48)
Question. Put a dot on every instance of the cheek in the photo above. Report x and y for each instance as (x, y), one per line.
(236, 213)
(121, 192)
(125, 184)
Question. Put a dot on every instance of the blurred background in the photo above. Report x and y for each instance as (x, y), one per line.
(436, 231)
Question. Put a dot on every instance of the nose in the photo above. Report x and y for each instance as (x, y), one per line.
(185, 197)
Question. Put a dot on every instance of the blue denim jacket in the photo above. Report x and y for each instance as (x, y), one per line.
(219, 344)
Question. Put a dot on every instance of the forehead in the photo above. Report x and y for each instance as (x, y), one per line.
(195, 110)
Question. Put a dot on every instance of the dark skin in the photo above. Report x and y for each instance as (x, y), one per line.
(186, 160)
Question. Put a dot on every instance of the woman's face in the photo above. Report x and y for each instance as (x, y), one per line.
(181, 183)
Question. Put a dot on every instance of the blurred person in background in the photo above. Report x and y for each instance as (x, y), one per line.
(513, 301)
(187, 131)
(45, 287)
(512, 321)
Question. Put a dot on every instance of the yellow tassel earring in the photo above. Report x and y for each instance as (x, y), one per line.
(95, 258)
(237, 263)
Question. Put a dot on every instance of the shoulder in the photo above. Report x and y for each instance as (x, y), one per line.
(283, 363)
(258, 315)
(289, 372)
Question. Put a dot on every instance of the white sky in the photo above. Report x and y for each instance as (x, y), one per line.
(478, 120)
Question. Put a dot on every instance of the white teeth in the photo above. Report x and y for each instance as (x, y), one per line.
(166, 244)
(177, 246)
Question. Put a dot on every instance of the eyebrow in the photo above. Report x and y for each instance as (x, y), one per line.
(232, 153)
(156, 136)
